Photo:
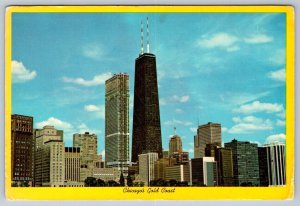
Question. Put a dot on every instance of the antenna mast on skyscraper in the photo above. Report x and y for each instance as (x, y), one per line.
(142, 38)
(148, 34)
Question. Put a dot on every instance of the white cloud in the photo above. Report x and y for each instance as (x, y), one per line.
(281, 114)
(98, 111)
(193, 129)
(240, 98)
(278, 57)
(57, 123)
(258, 106)
(219, 40)
(20, 73)
(181, 99)
(258, 39)
(178, 122)
(276, 138)
(82, 128)
(162, 101)
(233, 48)
(103, 154)
(250, 124)
(93, 51)
(97, 80)
(178, 110)
(278, 75)
(280, 122)
(91, 108)
(224, 129)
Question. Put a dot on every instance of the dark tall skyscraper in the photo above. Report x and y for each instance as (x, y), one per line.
(146, 118)
(22, 149)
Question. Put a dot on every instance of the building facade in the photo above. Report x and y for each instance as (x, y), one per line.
(245, 163)
(180, 173)
(175, 144)
(117, 122)
(88, 153)
(204, 171)
(209, 133)
(107, 174)
(146, 116)
(72, 164)
(263, 166)
(276, 163)
(146, 167)
(22, 149)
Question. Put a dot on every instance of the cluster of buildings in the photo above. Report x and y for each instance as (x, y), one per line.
(39, 157)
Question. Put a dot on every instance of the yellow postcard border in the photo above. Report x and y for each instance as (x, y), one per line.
(181, 193)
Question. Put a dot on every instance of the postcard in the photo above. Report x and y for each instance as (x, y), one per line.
(149, 102)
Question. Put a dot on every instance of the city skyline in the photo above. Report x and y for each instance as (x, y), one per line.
(249, 108)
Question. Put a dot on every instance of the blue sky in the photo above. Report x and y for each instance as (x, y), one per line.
(224, 68)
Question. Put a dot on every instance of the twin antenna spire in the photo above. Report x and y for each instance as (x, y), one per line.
(142, 37)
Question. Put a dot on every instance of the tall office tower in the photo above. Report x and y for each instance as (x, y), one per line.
(263, 166)
(245, 163)
(146, 167)
(88, 153)
(72, 164)
(175, 144)
(276, 163)
(204, 171)
(22, 149)
(146, 118)
(223, 157)
(117, 122)
(206, 134)
(49, 157)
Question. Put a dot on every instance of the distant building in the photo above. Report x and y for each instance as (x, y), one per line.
(245, 163)
(72, 164)
(223, 157)
(204, 171)
(263, 166)
(50, 164)
(276, 163)
(88, 153)
(206, 134)
(107, 174)
(165, 154)
(146, 167)
(117, 122)
(175, 144)
(180, 173)
(49, 157)
(179, 157)
(22, 149)
(160, 168)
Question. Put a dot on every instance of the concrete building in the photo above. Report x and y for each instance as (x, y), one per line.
(117, 122)
(22, 149)
(180, 173)
(50, 164)
(146, 167)
(175, 144)
(165, 154)
(204, 171)
(206, 134)
(160, 168)
(245, 163)
(88, 153)
(107, 174)
(177, 158)
(72, 164)
(49, 157)
(223, 157)
(276, 163)
(146, 135)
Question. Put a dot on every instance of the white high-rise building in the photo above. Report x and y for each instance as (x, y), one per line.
(146, 167)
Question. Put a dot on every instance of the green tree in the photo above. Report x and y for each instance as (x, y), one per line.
(90, 182)
(129, 181)
(172, 183)
(122, 180)
(101, 183)
(142, 184)
(112, 183)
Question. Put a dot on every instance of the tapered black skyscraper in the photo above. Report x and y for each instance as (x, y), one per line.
(146, 118)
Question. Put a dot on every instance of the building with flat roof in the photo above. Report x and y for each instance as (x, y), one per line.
(146, 167)
(22, 149)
